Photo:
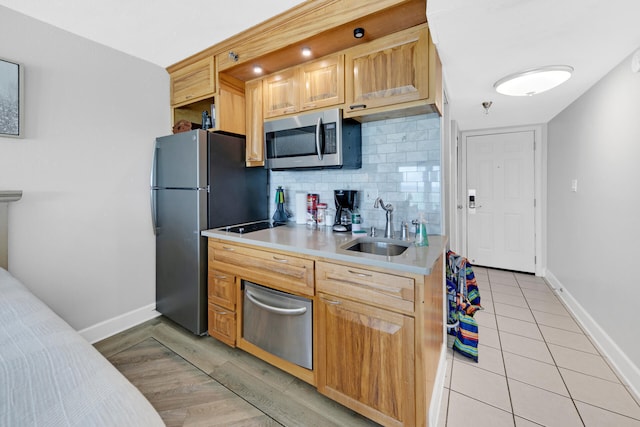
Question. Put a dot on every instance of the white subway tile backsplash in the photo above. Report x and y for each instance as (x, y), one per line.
(400, 163)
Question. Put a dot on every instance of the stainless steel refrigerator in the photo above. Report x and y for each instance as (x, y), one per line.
(198, 181)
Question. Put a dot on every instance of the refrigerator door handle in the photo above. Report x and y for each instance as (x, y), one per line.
(153, 210)
(152, 196)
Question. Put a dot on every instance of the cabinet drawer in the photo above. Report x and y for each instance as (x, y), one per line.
(371, 287)
(275, 270)
(222, 324)
(221, 287)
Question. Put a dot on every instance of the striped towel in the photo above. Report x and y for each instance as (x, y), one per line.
(463, 297)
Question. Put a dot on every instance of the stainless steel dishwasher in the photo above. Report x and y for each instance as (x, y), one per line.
(279, 323)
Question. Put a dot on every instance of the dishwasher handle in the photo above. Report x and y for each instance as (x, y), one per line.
(272, 309)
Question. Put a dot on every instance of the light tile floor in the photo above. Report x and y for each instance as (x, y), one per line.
(536, 366)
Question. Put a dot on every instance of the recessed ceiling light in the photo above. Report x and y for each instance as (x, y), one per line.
(534, 81)
(306, 51)
(257, 69)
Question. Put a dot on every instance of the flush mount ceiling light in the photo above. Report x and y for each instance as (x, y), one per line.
(358, 33)
(534, 81)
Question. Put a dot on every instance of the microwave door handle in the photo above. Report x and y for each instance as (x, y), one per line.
(319, 142)
(272, 309)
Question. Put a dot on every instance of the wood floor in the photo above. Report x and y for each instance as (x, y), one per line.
(198, 381)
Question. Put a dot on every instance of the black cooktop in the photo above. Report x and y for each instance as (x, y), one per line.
(253, 226)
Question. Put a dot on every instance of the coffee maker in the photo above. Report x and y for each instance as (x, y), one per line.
(345, 202)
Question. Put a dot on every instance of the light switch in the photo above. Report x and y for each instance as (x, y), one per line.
(574, 185)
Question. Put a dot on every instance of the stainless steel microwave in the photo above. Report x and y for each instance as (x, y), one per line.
(314, 140)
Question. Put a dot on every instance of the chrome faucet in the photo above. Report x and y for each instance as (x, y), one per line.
(388, 229)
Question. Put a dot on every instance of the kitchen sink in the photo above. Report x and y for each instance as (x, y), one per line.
(377, 246)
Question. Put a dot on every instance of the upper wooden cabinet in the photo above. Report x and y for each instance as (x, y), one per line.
(280, 93)
(322, 82)
(394, 73)
(193, 82)
(254, 123)
(314, 84)
(226, 107)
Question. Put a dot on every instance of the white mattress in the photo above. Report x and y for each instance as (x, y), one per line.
(51, 376)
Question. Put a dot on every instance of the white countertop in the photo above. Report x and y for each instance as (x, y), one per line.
(327, 244)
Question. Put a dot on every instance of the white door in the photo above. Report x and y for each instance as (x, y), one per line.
(500, 201)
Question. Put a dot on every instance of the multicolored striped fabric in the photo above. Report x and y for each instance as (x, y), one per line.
(463, 298)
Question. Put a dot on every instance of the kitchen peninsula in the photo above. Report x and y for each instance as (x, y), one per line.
(378, 325)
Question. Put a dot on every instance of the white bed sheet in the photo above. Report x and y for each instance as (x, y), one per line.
(51, 376)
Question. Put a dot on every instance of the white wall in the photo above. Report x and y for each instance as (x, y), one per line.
(594, 233)
(81, 237)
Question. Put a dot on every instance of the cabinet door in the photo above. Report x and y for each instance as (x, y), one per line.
(387, 71)
(193, 81)
(322, 83)
(222, 324)
(281, 93)
(221, 289)
(255, 123)
(366, 360)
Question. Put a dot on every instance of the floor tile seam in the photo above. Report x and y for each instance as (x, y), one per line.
(210, 375)
(515, 318)
(125, 349)
(566, 396)
(604, 358)
(485, 403)
(530, 358)
(504, 365)
(548, 312)
(520, 335)
(551, 326)
(517, 306)
(577, 349)
(468, 361)
(593, 376)
(607, 409)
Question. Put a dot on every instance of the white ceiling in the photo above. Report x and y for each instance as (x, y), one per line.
(479, 41)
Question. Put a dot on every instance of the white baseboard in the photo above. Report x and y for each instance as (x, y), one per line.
(438, 388)
(624, 366)
(118, 324)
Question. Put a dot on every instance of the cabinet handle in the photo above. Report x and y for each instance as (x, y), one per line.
(224, 313)
(359, 274)
(309, 106)
(188, 97)
(227, 248)
(355, 106)
(220, 276)
(289, 110)
(330, 301)
(280, 259)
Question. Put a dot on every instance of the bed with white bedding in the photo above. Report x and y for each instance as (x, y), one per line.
(51, 376)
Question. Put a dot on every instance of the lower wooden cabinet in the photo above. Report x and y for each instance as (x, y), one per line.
(378, 333)
(366, 359)
(222, 306)
(222, 324)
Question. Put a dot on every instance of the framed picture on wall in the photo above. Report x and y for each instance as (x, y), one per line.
(11, 99)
